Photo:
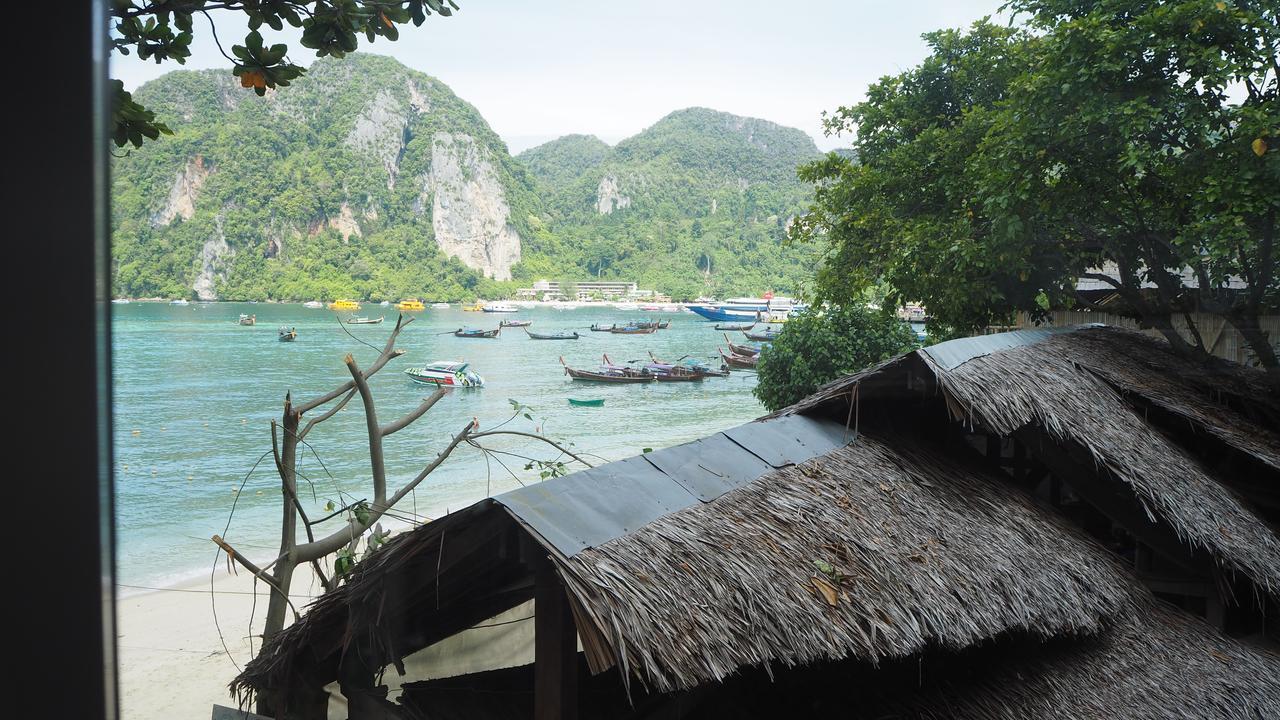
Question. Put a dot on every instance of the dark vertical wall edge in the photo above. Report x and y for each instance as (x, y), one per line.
(60, 552)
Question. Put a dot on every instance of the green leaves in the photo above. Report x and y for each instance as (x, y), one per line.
(1008, 163)
(817, 347)
(163, 31)
(131, 122)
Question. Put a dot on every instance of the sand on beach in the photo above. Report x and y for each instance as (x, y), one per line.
(171, 662)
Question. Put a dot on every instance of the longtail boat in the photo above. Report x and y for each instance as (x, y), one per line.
(766, 336)
(515, 323)
(287, 335)
(477, 333)
(357, 320)
(633, 330)
(608, 374)
(586, 403)
(735, 326)
(741, 362)
(655, 324)
(661, 372)
(562, 335)
(248, 319)
(691, 364)
(596, 327)
(741, 349)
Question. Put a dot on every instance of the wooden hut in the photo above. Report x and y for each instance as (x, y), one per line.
(1034, 524)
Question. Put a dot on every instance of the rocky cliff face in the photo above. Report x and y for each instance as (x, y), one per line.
(609, 196)
(381, 129)
(183, 192)
(469, 210)
(215, 255)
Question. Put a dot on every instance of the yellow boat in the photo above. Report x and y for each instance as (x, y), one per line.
(344, 305)
(410, 305)
(476, 307)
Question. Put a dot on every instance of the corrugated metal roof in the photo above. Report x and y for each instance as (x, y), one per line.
(954, 353)
(594, 506)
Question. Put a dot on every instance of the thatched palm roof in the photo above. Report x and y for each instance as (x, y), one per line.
(1074, 385)
(926, 552)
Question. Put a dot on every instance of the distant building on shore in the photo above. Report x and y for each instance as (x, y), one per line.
(585, 290)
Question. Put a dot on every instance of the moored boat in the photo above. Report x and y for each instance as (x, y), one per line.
(562, 335)
(410, 304)
(596, 327)
(179, 301)
(287, 334)
(343, 304)
(741, 362)
(313, 304)
(476, 306)
(692, 364)
(608, 374)
(767, 307)
(357, 320)
(500, 307)
(448, 373)
(633, 330)
(439, 306)
(469, 332)
(767, 336)
(515, 323)
(248, 319)
(586, 403)
(741, 349)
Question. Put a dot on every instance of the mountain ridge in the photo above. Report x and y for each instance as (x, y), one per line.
(368, 178)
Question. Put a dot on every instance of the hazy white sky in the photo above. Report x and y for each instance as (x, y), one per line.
(610, 68)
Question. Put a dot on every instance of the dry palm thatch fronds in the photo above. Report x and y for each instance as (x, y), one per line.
(875, 550)
(1052, 385)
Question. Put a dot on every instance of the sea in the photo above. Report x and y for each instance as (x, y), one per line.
(195, 392)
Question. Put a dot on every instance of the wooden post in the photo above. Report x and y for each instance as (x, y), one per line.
(555, 650)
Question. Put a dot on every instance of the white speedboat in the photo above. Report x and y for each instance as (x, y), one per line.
(447, 373)
(313, 304)
(500, 307)
(439, 306)
(179, 301)
(626, 306)
(120, 301)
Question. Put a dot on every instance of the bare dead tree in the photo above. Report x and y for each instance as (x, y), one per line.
(289, 433)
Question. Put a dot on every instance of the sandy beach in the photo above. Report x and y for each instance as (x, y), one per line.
(172, 663)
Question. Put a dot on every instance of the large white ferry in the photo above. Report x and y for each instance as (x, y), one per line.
(769, 307)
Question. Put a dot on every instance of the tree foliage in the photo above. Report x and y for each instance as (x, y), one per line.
(706, 200)
(818, 347)
(162, 30)
(1140, 137)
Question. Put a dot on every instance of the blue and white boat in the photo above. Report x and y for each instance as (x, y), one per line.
(738, 309)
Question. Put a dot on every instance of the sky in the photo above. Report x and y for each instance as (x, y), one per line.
(611, 68)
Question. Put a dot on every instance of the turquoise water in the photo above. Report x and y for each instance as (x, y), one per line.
(195, 392)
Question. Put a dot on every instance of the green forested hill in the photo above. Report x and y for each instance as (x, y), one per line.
(353, 181)
(371, 180)
(695, 204)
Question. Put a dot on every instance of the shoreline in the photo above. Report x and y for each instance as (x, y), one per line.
(458, 303)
